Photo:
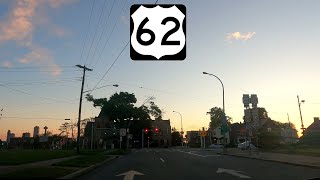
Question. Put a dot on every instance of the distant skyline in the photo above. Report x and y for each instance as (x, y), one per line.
(268, 48)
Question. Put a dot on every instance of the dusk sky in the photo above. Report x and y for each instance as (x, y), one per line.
(269, 48)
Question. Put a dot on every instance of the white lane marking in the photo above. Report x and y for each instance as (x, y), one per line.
(216, 155)
(130, 174)
(196, 154)
(162, 160)
(232, 172)
(191, 152)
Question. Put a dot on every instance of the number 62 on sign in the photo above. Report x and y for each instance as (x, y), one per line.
(158, 32)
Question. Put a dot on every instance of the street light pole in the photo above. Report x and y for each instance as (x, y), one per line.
(299, 104)
(222, 88)
(80, 104)
(181, 127)
(223, 105)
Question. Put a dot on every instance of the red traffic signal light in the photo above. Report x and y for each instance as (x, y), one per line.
(157, 129)
(145, 130)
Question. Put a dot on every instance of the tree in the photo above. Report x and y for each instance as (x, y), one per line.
(64, 128)
(216, 115)
(155, 111)
(269, 140)
(121, 110)
(263, 114)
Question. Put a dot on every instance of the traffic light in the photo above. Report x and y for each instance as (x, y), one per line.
(146, 130)
(157, 130)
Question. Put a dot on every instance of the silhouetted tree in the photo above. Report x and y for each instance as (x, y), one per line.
(216, 114)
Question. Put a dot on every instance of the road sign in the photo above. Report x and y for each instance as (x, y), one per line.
(247, 115)
(254, 100)
(224, 129)
(246, 100)
(255, 117)
(156, 21)
(123, 132)
(203, 133)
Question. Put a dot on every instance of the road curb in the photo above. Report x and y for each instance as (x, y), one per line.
(271, 160)
(87, 169)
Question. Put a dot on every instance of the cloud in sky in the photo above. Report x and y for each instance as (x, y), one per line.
(7, 64)
(42, 57)
(58, 3)
(239, 36)
(20, 24)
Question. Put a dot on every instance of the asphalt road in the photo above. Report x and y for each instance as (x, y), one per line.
(185, 164)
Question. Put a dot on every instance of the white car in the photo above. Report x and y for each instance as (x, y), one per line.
(245, 145)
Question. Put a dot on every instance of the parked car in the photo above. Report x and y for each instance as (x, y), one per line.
(216, 146)
(245, 145)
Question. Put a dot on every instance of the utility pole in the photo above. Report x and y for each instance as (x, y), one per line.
(142, 138)
(80, 104)
(91, 136)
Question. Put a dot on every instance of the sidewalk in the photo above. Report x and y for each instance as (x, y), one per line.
(300, 160)
(8, 169)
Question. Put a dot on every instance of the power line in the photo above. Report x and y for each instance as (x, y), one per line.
(114, 61)
(105, 30)
(41, 83)
(23, 92)
(99, 57)
(95, 32)
(13, 117)
(111, 65)
(40, 80)
(86, 37)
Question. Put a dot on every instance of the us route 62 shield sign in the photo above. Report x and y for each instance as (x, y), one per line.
(158, 32)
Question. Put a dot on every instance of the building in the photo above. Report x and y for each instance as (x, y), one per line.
(312, 133)
(36, 131)
(314, 127)
(26, 135)
(88, 135)
(288, 135)
(10, 136)
(16, 143)
(237, 133)
(193, 139)
(103, 133)
(162, 137)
